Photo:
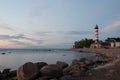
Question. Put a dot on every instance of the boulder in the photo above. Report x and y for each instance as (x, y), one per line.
(0, 72)
(44, 78)
(81, 64)
(12, 73)
(75, 62)
(51, 71)
(86, 61)
(61, 64)
(67, 77)
(28, 71)
(41, 64)
(75, 69)
(83, 59)
(54, 79)
(3, 53)
(66, 70)
(5, 71)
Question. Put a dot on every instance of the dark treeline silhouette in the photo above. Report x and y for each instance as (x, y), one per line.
(83, 43)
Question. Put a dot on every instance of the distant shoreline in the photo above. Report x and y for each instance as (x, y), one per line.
(113, 52)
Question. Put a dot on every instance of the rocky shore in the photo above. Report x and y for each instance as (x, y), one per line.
(112, 52)
(79, 70)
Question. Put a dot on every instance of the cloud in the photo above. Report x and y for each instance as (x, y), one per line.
(9, 37)
(18, 38)
(111, 27)
(79, 32)
(24, 44)
(6, 27)
(21, 39)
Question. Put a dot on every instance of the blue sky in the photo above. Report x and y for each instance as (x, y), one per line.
(56, 23)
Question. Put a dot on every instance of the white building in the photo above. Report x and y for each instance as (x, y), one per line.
(115, 44)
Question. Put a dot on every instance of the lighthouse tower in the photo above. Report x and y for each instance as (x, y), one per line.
(96, 35)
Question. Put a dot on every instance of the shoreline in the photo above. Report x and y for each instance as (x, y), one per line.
(113, 52)
(108, 71)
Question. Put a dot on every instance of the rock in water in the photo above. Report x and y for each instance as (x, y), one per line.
(67, 77)
(41, 64)
(28, 71)
(61, 64)
(5, 71)
(3, 53)
(51, 71)
(12, 73)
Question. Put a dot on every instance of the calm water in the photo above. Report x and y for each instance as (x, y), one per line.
(14, 58)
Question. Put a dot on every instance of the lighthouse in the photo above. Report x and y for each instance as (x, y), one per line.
(96, 34)
(96, 44)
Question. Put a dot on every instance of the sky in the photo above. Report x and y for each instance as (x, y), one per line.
(56, 23)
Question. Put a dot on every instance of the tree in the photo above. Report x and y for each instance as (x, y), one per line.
(83, 43)
(108, 40)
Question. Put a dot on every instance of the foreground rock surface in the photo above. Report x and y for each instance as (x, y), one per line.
(28, 71)
(109, 71)
(51, 71)
(62, 64)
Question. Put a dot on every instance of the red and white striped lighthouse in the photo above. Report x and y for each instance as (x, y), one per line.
(96, 35)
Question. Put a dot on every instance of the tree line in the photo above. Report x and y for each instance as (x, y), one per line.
(85, 43)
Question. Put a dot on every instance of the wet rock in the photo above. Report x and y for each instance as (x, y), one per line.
(78, 63)
(28, 71)
(67, 77)
(66, 71)
(1, 78)
(3, 53)
(54, 79)
(85, 61)
(14, 78)
(7, 75)
(12, 73)
(41, 64)
(0, 72)
(44, 78)
(51, 70)
(74, 62)
(75, 69)
(61, 64)
(5, 71)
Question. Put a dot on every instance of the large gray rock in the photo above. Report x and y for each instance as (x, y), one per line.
(12, 73)
(67, 77)
(44, 78)
(85, 61)
(5, 71)
(51, 70)
(81, 64)
(28, 71)
(77, 67)
(75, 62)
(41, 64)
(61, 64)
(66, 71)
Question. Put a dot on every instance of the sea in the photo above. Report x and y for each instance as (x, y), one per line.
(13, 58)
